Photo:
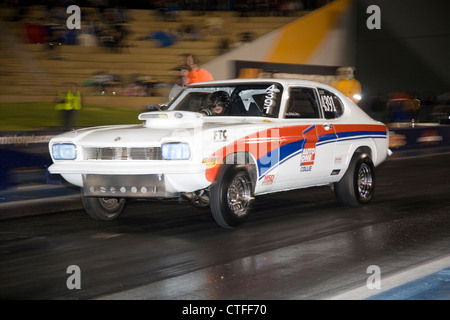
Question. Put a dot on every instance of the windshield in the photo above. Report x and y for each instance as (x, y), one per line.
(246, 100)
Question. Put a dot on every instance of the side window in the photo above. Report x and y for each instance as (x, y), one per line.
(194, 101)
(302, 104)
(331, 105)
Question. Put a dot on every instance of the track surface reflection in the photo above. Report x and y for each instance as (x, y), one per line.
(295, 245)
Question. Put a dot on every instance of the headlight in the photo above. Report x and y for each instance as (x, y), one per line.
(176, 151)
(64, 151)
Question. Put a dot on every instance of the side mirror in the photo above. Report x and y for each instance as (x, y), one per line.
(162, 106)
(152, 108)
(157, 107)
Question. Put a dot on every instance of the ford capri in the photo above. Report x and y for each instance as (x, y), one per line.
(223, 144)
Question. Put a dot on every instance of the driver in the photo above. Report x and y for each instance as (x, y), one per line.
(218, 108)
(217, 104)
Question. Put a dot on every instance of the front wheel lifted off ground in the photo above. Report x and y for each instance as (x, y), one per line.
(105, 209)
(231, 195)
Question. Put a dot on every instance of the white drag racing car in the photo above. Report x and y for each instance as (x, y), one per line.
(223, 143)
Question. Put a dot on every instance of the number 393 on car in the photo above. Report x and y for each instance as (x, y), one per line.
(223, 144)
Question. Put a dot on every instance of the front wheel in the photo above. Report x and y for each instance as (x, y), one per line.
(357, 186)
(105, 209)
(231, 196)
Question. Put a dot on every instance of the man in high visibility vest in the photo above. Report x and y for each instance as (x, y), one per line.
(69, 103)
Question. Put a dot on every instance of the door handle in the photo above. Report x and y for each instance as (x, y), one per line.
(327, 126)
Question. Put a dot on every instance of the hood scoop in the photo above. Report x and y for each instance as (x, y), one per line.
(171, 119)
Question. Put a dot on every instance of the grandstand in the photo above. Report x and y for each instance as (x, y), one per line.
(28, 74)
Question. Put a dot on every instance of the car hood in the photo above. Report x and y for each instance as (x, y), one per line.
(158, 127)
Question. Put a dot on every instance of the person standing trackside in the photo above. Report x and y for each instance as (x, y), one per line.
(182, 80)
(69, 104)
(347, 84)
(196, 74)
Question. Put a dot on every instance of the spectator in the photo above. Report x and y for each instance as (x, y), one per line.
(223, 46)
(243, 38)
(87, 40)
(102, 80)
(135, 90)
(247, 36)
(182, 79)
(190, 32)
(55, 38)
(347, 84)
(196, 74)
(243, 8)
(109, 38)
(214, 25)
(162, 38)
(69, 102)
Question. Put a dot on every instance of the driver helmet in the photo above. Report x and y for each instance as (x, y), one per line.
(219, 107)
(219, 96)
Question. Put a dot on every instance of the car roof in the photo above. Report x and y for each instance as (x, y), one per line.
(283, 82)
(349, 105)
(260, 80)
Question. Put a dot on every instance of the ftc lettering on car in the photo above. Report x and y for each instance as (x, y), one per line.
(220, 135)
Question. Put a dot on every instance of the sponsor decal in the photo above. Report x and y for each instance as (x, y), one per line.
(335, 172)
(268, 179)
(308, 153)
(308, 156)
(305, 168)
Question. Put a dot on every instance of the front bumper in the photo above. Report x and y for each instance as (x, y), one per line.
(139, 179)
(146, 186)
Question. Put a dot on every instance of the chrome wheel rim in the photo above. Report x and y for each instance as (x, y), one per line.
(110, 204)
(239, 195)
(365, 181)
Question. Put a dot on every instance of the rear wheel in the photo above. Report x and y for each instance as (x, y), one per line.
(105, 209)
(357, 186)
(231, 196)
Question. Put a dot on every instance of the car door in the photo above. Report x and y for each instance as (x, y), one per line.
(308, 141)
(333, 108)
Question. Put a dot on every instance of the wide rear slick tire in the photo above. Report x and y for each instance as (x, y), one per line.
(357, 186)
(104, 209)
(231, 196)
